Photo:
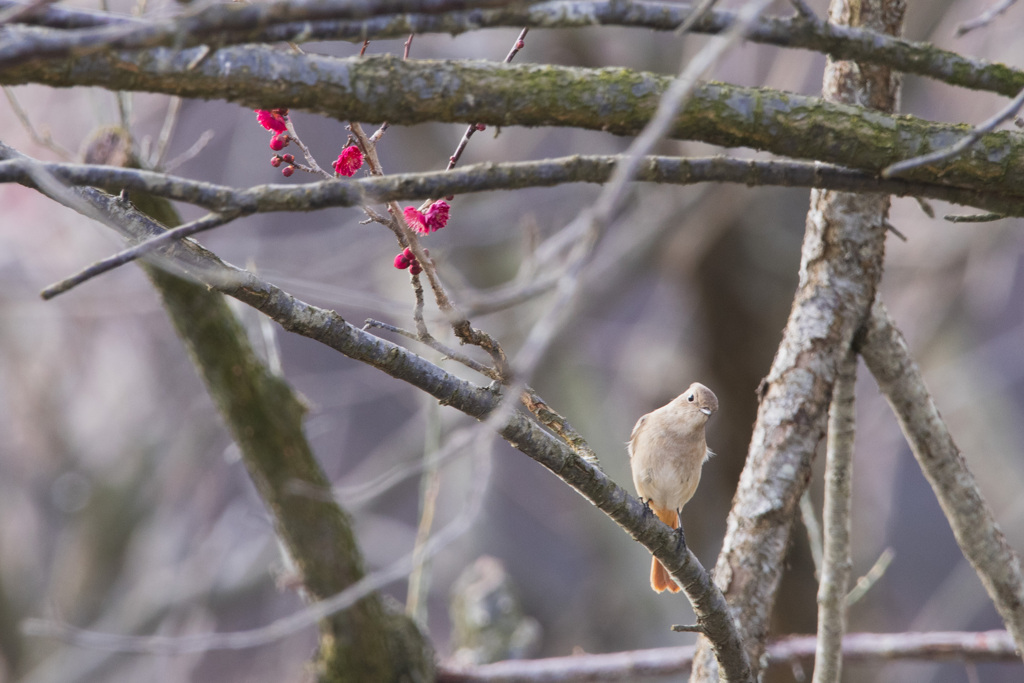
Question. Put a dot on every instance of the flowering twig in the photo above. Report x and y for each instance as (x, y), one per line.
(313, 166)
(415, 254)
(407, 238)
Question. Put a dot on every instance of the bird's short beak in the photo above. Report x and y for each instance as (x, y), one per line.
(706, 411)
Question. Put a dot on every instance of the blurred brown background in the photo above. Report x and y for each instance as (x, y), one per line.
(124, 508)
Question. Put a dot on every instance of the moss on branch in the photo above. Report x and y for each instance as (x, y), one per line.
(619, 101)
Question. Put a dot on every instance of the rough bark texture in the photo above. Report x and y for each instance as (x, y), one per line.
(616, 100)
(981, 540)
(225, 27)
(841, 265)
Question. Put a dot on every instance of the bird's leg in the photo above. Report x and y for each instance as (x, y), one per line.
(680, 534)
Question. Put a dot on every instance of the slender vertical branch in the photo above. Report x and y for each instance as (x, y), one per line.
(836, 564)
(430, 486)
(810, 519)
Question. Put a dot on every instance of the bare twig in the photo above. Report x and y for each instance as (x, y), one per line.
(310, 159)
(702, 10)
(207, 222)
(43, 138)
(803, 10)
(961, 145)
(985, 18)
(474, 127)
(814, 536)
(987, 646)
(240, 640)
(836, 565)
(192, 152)
(877, 571)
(431, 341)
(430, 486)
(166, 132)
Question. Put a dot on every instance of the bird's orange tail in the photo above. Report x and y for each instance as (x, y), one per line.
(661, 580)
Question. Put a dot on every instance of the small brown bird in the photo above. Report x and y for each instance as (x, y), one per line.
(666, 451)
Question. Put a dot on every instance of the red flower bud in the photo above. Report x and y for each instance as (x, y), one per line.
(287, 171)
(275, 161)
(401, 262)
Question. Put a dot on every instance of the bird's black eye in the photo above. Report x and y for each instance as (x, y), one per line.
(690, 398)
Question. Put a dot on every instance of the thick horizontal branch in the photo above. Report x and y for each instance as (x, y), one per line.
(619, 101)
(988, 646)
(304, 23)
(502, 176)
(218, 24)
